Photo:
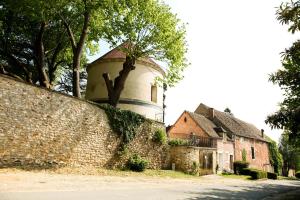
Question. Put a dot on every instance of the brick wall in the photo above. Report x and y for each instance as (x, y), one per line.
(184, 126)
(42, 128)
(261, 150)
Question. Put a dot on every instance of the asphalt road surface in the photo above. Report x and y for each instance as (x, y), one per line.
(42, 186)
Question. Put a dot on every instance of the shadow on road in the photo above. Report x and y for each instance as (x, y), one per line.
(263, 191)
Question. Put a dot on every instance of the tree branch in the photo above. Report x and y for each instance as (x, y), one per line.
(3, 71)
(70, 34)
(83, 32)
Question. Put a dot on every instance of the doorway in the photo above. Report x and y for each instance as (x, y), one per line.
(231, 162)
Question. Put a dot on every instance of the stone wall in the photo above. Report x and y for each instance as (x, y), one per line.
(183, 157)
(39, 127)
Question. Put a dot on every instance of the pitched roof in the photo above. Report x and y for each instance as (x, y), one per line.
(117, 53)
(233, 124)
(207, 125)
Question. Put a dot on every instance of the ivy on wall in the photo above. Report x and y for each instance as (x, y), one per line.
(275, 156)
(123, 122)
(244, 155)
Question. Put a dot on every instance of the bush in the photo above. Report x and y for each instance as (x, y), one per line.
(136, 163)
(271, 175)
(178, 142)
(298, 174)
(195, 169)
(257, 174)
(238, 166)
(160, 136)
(245, 171)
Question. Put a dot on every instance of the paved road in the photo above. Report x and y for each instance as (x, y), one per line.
(74, 187)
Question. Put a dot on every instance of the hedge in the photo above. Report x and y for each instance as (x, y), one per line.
(245, 171)
(238, 166)
(271, 175)
(257, 174)
(298, 174)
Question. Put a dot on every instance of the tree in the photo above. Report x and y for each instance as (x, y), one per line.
(41, 39)
(288, 78)
(32, 42)
(83, 21)
(228, 111)
(289, 154)
(144, 28)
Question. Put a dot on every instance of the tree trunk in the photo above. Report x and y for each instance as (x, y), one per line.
(76, 77)
(40, 57)
(285, 169)
(115, 88)
(77, 51)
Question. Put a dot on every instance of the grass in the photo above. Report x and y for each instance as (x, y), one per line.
(104, 172)
(234, 176)
(287, 178)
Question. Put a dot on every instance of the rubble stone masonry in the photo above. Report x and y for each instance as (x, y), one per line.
(39, 127)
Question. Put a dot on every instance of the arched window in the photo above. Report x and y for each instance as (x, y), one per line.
(154, 93)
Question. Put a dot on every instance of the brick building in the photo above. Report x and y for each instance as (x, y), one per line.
(230, 137)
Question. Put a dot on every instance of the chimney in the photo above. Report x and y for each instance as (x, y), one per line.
(262, 133)
(211, 113)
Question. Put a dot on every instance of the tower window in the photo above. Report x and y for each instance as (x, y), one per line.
(154, 93)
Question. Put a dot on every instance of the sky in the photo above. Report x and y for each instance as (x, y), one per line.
(233, 47)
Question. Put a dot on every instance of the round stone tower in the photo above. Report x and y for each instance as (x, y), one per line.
(141, 94)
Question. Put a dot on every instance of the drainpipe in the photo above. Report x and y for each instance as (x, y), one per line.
(164, 100)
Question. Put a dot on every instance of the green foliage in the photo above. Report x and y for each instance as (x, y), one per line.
(275, 156)
(297, 174)
(136, 163)
(228, 111)
(288, 78)
(178, 142)
(244, 155)
(238, 166)
(160, 136)
(19, 53)
(149, 29)
(245, 171)
(257, 174)
(195, 168)
(297, 165)
(271, 175)
(289, 153)
(123, 122)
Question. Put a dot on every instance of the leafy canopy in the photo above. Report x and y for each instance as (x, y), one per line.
(149, 29)
(288, 77)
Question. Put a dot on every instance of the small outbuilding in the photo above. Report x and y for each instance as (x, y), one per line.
(141, 94)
